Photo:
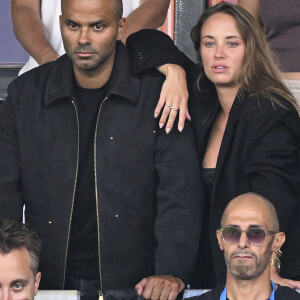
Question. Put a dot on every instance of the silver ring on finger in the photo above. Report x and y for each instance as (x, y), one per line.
(176, 109)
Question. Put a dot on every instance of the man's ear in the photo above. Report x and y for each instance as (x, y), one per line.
(121, 25)
(60, 20)
(220, 240)
(278, 241)
(37, 282)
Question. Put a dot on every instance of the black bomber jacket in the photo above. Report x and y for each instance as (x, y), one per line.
(147, 182)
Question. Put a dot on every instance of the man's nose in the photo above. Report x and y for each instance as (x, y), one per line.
(244, 242)
(4, 294)
(84, 36)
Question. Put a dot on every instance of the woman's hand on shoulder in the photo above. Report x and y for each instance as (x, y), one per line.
(276, 278)
(173, 98)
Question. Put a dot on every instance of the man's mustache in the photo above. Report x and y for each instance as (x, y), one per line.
(243, 252)
(84, 48)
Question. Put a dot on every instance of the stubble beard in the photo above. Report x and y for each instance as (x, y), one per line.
(249, 272)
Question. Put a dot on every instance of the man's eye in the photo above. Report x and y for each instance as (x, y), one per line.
(98, 27)
(73, 25)
(18, 287)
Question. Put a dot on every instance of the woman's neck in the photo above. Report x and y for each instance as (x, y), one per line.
(226, 97)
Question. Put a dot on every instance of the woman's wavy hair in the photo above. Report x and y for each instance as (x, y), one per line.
(259, 75)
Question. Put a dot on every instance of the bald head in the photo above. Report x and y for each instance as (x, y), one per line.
(117, 6)
(256, 202)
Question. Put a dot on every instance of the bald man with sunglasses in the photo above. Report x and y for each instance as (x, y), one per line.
(248, 236)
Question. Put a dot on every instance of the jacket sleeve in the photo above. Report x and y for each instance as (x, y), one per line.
(273, 163)
(179, 203)
(152, 48)
(11, 202)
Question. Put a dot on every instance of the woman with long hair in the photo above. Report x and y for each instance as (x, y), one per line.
(246, 124)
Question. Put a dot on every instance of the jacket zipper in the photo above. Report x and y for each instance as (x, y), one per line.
(74, 190)
(96, 193)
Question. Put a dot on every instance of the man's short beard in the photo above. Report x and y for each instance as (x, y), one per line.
(242, 272)
(246, 272)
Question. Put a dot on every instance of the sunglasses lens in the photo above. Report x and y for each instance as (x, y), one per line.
(231, 234)
(256, 236)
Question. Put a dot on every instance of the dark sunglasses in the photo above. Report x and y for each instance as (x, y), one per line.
(255, 236)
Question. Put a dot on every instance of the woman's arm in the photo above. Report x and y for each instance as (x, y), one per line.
(154, 49)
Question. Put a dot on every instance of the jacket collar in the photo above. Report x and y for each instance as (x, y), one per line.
(60, 83)
(211, 108)
(122, 82)
(232, 123)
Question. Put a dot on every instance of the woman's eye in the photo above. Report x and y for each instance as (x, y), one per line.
(209, 44)
(232, 44)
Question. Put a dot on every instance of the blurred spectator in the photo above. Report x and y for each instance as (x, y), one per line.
(281, 23)
(20, 250)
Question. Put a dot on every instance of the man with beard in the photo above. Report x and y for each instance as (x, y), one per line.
(102, 185)
(249, 234)
(36, 25)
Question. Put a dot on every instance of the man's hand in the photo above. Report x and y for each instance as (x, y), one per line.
(162, 287)
(276, 278)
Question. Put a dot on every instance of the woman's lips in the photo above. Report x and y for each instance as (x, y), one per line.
(219, 68)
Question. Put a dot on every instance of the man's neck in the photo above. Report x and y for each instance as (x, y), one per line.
(259, 288)
(94, 79)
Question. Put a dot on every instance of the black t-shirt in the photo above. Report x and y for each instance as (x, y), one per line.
(282, 293)
(82, 260)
